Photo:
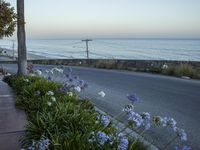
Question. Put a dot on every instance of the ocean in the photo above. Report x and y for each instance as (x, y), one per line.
(140, 49)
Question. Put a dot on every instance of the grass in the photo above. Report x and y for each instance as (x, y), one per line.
(173, 70)
(182, 70)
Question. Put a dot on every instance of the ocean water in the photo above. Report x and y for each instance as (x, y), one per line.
(141, 49)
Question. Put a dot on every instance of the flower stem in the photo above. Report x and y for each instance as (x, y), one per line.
(169, 143)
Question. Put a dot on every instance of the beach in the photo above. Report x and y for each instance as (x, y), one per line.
(7, 55)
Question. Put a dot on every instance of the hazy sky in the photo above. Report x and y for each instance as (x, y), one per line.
(111, 18)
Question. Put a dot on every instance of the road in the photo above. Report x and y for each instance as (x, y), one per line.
(160, 95)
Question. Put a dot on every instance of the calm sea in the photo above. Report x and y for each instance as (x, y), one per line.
(149, 49)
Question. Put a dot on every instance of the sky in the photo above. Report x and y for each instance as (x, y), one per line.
(111, 18)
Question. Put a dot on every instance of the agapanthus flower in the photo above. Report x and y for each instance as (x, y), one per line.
(164, 121)
(171, 122)
(67, 75)
(183, 148)
(37, 93)
(181, 133)
(102, 94)
(146, 120)
(57, 71)
(53, 99)
(70, 94)
(92, 139)
(76, 77)
(32, 147)
(186, 148)
(123, 142)
(105, 120)
(50, 93)
(43, 144)
(49, 78)
(133, 98)
(49, 103)
(38, 72)
(102, 137)
(135, 118)
(70, 80)
(77, 88)
(128, 108)
(26, 80)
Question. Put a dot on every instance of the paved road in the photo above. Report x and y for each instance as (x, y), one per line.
(160, 95)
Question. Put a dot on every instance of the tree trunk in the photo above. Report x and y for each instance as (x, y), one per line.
(21, 37)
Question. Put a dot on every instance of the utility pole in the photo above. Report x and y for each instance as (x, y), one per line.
(87, 49)
(13, 46)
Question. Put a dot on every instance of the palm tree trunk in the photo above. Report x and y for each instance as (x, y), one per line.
(21, 37)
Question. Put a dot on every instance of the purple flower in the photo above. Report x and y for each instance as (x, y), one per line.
(135, 118)
(171, 122)
(186, 148)
(183, 148)
(37, 93)
(102, 137)
(49, 78)
(43, 144)
(81, 82)
(67, 75)
(133, 98)
(32, 147)
(146, 120)
(181, 133)
(105, 120)
(76, 77)
(70, 80)
(128, 108)
(123, 142)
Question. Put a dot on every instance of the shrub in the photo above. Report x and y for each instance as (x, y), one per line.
(68, 123)
(181, 70)
(108, 64)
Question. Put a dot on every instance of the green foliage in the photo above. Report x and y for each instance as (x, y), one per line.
(69, 123)
(7, 19)
(181, 70)
(107, 64)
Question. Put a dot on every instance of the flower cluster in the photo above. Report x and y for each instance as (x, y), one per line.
(101, 137)
(133, 97)
(26, 80)
(105, 120)
(171, 122)
(144, 119)
(43, 144)
(52, 98)
(70, 82)
(123, 142)
(183, 148)
(37, 93)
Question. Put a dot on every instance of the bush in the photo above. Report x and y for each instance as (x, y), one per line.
(107, 64)
(181, 70)
(60, 120)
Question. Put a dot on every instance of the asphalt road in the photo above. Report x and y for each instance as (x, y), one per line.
(160, 95)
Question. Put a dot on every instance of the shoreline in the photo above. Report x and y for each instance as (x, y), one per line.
(9, 55)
